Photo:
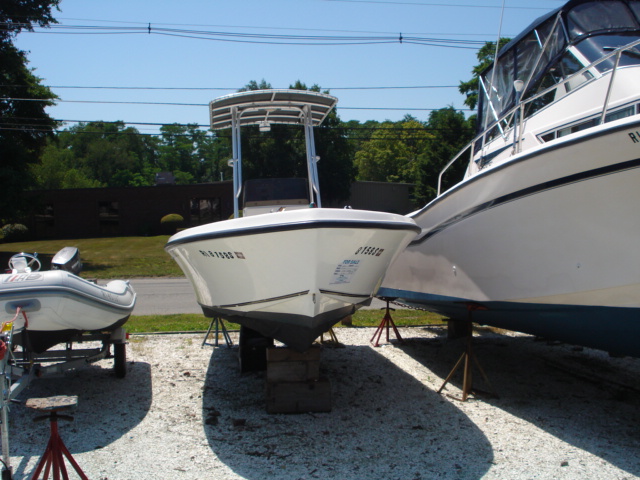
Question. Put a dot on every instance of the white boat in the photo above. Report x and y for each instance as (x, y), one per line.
(57, 305)
(292, 273)
(540, 235)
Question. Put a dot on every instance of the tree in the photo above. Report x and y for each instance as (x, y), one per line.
(359, 133)
(18, 15)
(449, 132)
(190, 153)
(25, 126)
(393, 152)
(56, 170)
(102, 149)
(485, 56)
(253, 85)
(336, 170)
(99, 154)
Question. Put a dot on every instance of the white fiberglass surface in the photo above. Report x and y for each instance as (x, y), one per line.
(291, 217)
(246, 268)
(568, 244)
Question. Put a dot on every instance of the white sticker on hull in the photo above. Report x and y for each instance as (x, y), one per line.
(344, 272)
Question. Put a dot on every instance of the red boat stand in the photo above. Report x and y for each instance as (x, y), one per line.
(52, 460)
(386, 322)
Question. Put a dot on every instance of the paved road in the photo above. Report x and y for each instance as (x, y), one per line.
(163, 296)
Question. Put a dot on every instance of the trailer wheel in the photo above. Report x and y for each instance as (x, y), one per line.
(120, 359)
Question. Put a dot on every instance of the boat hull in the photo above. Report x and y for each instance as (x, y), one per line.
(544, 243)
(58, 305)
(290, 275)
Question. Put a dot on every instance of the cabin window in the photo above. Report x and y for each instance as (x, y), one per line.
(526, 61)
(594, 48)
(622, 113)
(592, 122)
(547, 137)
(568, 66)
(578, 127)
(635, 7)
(563, 69)
(599, 17)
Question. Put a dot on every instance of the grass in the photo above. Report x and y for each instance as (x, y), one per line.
(199, 323)
(130, 257)
(106, 258)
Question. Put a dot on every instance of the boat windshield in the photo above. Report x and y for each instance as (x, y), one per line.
(555, 47)
(594, 48)
(267, 191)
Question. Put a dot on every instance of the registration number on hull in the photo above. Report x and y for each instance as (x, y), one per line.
(222, 255)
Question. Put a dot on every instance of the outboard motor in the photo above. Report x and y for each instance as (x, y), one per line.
(67, 259)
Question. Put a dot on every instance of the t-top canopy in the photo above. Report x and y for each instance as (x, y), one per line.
(257, 107)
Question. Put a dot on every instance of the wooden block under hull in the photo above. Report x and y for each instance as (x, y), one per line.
(286, 365)
(284, 354)
(299, 397)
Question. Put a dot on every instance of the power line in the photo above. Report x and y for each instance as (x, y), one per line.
(401, 134)
(16, 124)
(200, 105)
(89, 87)
(261, 38)
(255, 27)
(421, 4)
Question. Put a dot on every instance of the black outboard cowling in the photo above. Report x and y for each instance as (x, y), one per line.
(67, 259)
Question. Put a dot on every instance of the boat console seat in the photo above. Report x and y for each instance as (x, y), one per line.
(24, 263)
(20, 265)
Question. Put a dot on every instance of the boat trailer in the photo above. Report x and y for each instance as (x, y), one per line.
(19, 367)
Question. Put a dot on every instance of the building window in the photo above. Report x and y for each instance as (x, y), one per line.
(45, 222)
(205, 210)
(109, 218)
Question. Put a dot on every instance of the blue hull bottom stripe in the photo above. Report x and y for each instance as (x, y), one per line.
(613, 329)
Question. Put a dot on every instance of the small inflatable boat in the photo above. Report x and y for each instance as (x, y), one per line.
(57, 304)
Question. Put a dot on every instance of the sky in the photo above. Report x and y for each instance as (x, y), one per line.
(161, 62)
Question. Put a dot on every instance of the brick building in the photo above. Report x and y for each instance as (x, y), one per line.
(136, 211)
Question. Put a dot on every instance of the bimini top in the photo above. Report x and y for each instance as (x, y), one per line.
(257, 107)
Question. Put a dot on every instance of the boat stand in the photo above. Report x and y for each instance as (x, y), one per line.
(387, 322)
(217, 324)
(332, 341)
(468, 356)
(53, 455)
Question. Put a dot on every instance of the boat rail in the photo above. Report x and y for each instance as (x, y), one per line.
(507, 119)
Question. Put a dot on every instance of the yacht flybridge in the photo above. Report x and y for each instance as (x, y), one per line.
(541, 233)
(287, 268)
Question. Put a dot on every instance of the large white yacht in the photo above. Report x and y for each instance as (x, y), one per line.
(540, 235)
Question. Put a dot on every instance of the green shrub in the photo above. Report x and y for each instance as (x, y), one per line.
(14, 232)
(170, 223)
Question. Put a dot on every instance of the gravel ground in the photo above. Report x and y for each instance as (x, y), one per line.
(185, 412)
